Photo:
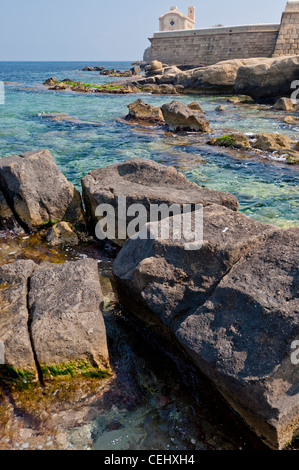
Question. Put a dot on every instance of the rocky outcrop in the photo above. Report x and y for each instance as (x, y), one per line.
(50, 81)
(37, 192)
(145, 182)
(232, 305)
(234, 140)
(217, 78)
(273, 142)
(50, 315)
(180, 117)
(140, 111)
(270, 78)
(93, 69)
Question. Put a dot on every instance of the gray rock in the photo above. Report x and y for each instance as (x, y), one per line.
(145, 182)
(65, 306)
(268, 79)
(180, 117)
(241, 338)
(168, 280)
(233, 306)
(217, 78)
(37, 191)
(14, 332)
(50, 314)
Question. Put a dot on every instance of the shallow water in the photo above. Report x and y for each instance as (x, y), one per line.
(151, 403)
(268, 191)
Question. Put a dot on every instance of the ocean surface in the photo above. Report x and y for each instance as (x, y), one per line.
(267, 189)
(155, 401)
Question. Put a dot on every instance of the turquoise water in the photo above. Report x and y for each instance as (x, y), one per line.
(157, 399)
(267, 190)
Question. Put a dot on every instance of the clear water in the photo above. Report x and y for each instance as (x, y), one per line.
(155, 401)
(267, 190)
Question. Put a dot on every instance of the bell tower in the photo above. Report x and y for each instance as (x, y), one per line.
(191, 13)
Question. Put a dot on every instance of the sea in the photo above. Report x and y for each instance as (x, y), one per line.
(155, 401)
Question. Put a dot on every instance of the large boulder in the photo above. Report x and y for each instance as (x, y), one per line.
(270, 78)
(180, 117)
(233, 305)
(67, 323)
(217, 78)
(141, 111)
(242, 338)
(14, 317)
(37, 192)
(50, 318)
(144, 182)
(167, 279)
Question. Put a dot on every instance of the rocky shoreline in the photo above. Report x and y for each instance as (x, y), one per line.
(262, 79)
(224, 304)
(178, 117)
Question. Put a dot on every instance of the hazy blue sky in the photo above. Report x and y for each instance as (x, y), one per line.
(102, 30)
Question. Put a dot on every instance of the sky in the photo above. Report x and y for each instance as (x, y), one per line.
(98, 30)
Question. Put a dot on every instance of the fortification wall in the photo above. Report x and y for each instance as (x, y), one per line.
(288, 38)
(208, 46)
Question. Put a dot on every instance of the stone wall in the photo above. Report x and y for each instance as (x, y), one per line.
(288, 39)
(208, 46)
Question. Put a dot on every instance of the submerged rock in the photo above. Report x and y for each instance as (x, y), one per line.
(37, 192)
(232, 305)
(180, 117)
(145, 182)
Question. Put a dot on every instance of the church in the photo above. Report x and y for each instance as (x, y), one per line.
(176, 21)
